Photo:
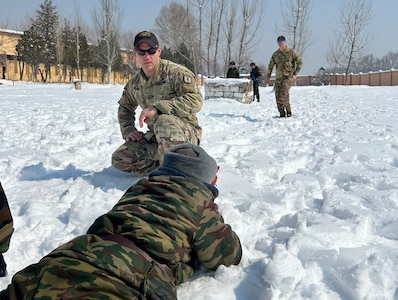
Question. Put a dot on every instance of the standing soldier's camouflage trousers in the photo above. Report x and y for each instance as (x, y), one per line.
(282, 87)
(146, 155)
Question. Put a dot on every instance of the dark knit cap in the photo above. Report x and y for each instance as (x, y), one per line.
(192, 161)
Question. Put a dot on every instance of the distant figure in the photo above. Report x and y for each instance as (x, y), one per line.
(288, 64)
(6, 230)
(255, 75)
(169, 97)
(161, 230)
(232, 72)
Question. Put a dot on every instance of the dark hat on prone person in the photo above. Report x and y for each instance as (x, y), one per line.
(191, 160)
(146, 37)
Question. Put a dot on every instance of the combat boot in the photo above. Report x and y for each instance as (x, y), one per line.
(288, 114)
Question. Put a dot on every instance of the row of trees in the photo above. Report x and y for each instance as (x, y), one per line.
(48, 43)
(204, 35)
(213, 31)
(218, 31)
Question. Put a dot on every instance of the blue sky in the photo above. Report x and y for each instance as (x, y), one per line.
(140, 15)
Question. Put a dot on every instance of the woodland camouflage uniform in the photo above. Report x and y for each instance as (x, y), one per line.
(6, 230)
(6, 222)
(288, 63)
(171, 217)
(173, 91)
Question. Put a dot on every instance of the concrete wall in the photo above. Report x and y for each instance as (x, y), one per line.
(238, 89)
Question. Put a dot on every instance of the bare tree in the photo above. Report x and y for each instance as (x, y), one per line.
(221, 7)
(209, 29)
(127, 43)
(59, 50)
(193, 39)
(171, 27)
(353, 36)
(107, 29)
(78, 22)
(229, 30)
(200, 4)
(295, 23)
(251, 14)
(210, 15)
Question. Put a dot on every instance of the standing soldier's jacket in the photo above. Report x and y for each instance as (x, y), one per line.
(141, 249)
(171, 90)
(288, 63)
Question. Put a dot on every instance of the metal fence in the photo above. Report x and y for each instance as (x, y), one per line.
(381, 78)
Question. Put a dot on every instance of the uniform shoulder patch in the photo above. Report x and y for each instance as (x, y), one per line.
(187, 79)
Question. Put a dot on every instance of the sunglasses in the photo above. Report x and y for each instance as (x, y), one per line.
(150, 51)
(280, 41)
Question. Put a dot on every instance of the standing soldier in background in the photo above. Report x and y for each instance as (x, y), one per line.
(288, 64)
(169, 98)
(255, 75)
(6, 230)
(232, 72)
(160, 231)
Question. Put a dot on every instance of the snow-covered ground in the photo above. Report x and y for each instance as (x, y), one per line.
(313, 197)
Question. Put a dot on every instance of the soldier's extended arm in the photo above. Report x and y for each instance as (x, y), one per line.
(216, 243)
(299, 63)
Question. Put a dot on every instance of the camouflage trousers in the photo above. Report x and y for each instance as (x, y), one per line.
(89, 267)
(6, 222)
(146, 155)
(282, 88)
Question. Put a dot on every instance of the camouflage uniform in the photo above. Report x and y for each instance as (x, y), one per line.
(171, 217)
(173, 91)
(288, 63)
(6, 222)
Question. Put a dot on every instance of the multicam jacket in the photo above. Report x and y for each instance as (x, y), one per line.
(288, 63)
(172, 218)
(171, 90)
(6, 222)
